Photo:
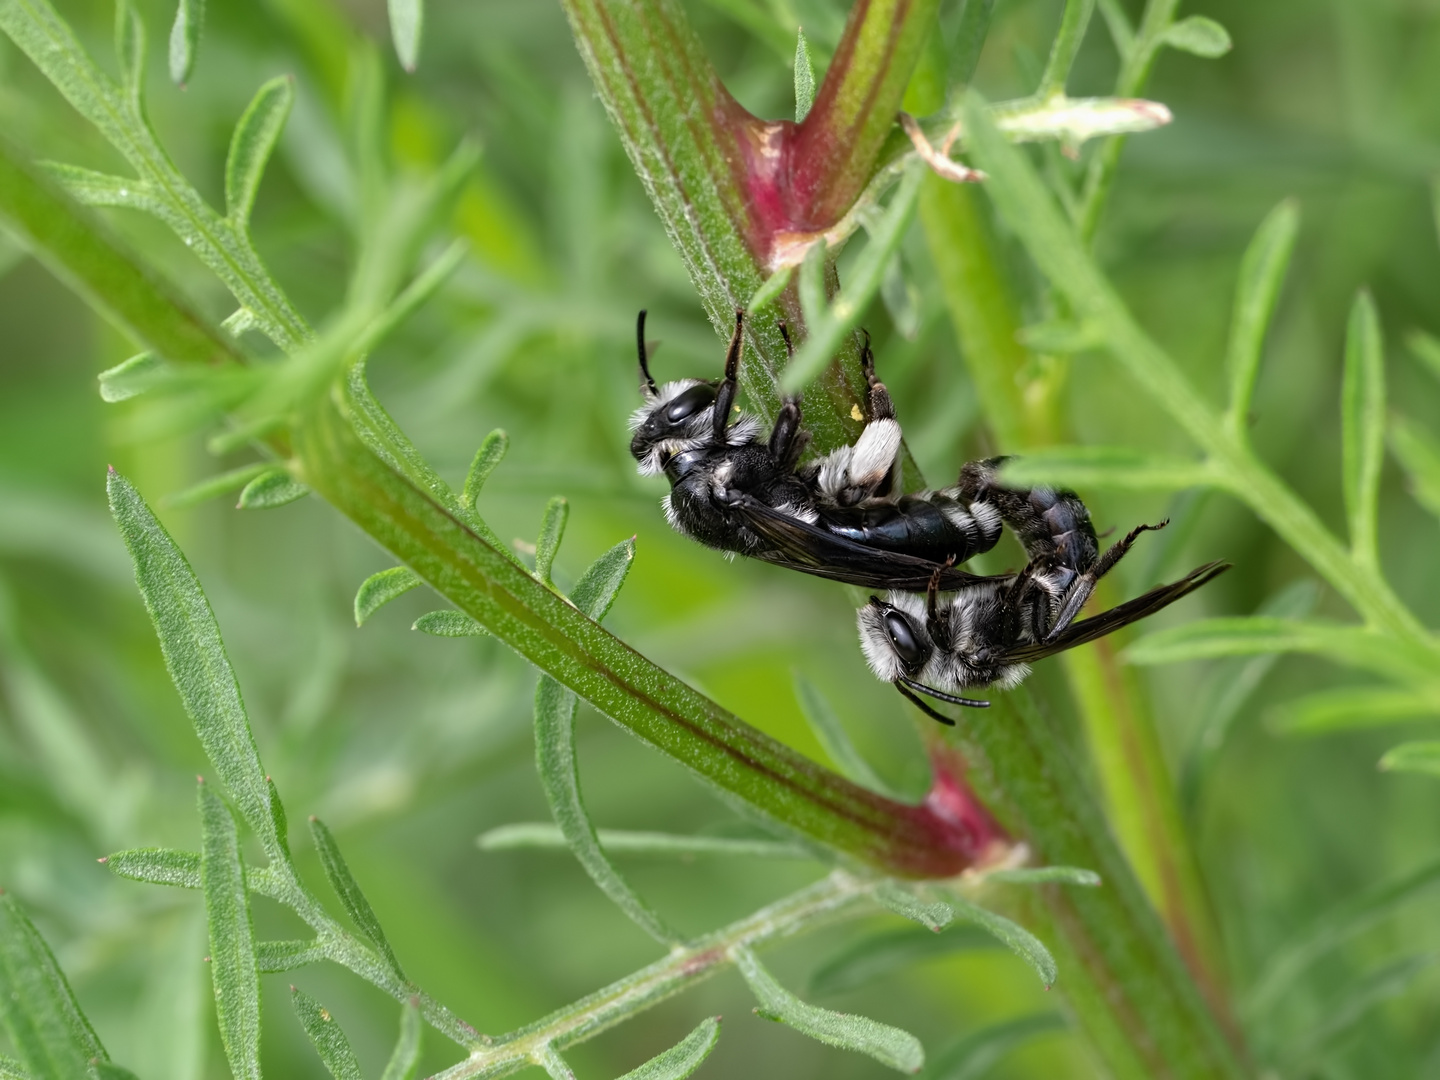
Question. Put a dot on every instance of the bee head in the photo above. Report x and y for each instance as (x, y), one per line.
(893, 635)
(676, 417)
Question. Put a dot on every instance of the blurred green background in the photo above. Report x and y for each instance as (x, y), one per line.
(410, 746)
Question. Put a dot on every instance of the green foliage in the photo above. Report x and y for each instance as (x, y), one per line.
(683, 1058)
(889, 1045)
(232, 938)
(326, 1036)
(185, 39)
(270, 489)
(379, 589)
(804, 79)
(346, 888)
(38, 1010)
(411, 747)
(407, 22)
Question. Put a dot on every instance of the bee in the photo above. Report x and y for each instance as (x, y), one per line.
(840, 517)
(987, 634)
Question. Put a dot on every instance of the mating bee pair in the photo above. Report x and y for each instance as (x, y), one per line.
(844, 516)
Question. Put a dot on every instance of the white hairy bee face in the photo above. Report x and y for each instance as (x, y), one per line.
(893, 636)
(680, 417)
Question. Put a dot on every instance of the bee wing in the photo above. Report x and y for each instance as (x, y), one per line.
(1107, 622)
(815, 550)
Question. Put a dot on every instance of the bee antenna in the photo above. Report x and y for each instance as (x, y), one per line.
(785, 333)
(644, 360)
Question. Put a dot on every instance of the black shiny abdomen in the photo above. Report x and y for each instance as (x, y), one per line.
(914, 526)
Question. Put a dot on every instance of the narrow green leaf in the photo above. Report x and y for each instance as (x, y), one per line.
(490, 454)
(1362, 400)
(555, 749)
(552, 530)
(157, 866)
(37, 1008)
(406, 1056)
(337, 872)
(977, 1052)
(12, 1070)
(131, 377)
(968, 41)
(1262, 273)
(1419, 455)
(1062, 336)
(108, 1070)
(271, 489)
(811, 285)
(833, 737)
(79, 250)
(326, 1036)
(888, 1045)
(804, 77)
(828, 325)
(407, 22)
(861, 962)
(130, 51)
(901, 298)
(93, 188)
(379, 589)
(449, 623)
(684, 1057)
(1252, 635)
(1357, 998)
(1112, 467)
(185, 40)
(597, 588)
(1047, 875)
(425, 285)
(546, 836)
(1421, 757)
(556, 762)
(770, 289)
(1019, 940)
(232, 939)
(275, 957)
(933, 916)
(214, 486)
(1426, 348)
(1199, 36)
(1073, 24)
(1349, 708)
(1230, 684)
(256, 133)
(195, 657)
(1284, 969)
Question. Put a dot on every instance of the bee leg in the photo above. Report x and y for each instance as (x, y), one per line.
(926, 709)
(937, 622)
(881, 407)
(725, 395)
(646, 381)
(1083, 586)
(787, 439)
(784, 328)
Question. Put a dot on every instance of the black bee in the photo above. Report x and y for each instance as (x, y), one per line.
(987, 633)
(839, 517)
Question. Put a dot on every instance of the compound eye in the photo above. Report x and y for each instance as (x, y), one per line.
(689, 403)
(902, 637)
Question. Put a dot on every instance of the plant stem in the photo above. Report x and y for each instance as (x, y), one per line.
(1135, 67)
(1128, 986)
(643, 698)
(837, 895)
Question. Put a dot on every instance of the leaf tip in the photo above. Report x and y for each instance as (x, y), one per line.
(103, 859)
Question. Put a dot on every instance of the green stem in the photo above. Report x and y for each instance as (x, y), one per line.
(837, 895)
(1066, 47)
(1135, 67)
(1122, 976)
